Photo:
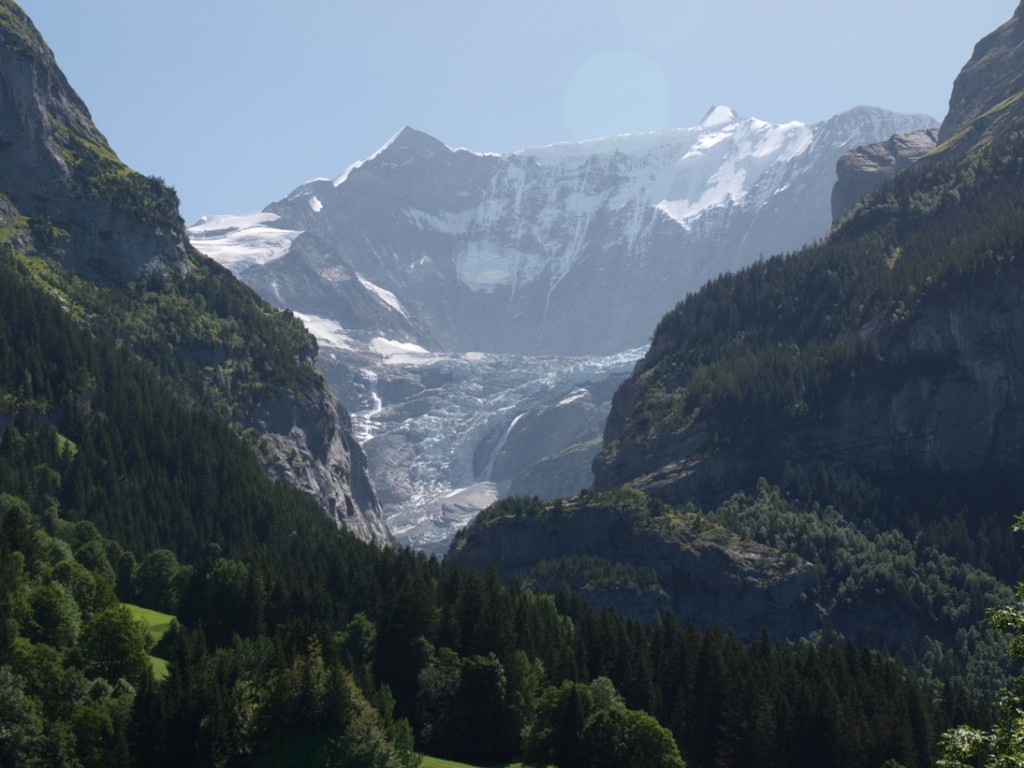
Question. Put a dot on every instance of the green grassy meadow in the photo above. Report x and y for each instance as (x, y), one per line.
(437, 762)
(157, 624)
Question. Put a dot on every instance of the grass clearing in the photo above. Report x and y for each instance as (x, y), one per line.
(157, 624)
(437, 762)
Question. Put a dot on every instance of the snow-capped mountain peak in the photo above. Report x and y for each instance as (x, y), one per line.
(569, 248)
(454, 294)
(718, 115)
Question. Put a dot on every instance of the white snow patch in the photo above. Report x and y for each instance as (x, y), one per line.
(384, 295)
(724, 166)
(717, 116)
(573, 397)
(401, 352)
(315, 204)
(446, 222)
(240, 241)
(218, 223)
(328, 333)
(485, 266)
(627, 144)
(344, 174)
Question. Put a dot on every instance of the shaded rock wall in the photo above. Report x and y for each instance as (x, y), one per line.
(706, 575)
(863, 170)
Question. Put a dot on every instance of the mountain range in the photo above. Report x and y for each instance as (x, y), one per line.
(477, 311)
(572, 249)
(822, 447)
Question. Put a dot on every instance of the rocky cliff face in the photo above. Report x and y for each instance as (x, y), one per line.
(56, 167)
(704, 574)
(864, 169)
(944, 397)
(307, 442)
(105, 223)
(986, 102)
(955, 410)
(987, 94)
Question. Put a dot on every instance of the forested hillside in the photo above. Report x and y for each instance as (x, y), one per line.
(298, 643)
(144, 395)
(876, 371)
(110, 243)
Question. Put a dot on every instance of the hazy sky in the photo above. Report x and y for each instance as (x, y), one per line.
(237, 102)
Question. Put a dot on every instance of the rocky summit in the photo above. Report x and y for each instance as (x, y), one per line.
(864, 169)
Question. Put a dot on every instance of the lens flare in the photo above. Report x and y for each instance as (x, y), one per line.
(616, 92)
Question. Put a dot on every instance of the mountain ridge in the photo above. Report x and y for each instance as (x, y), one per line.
(890, 348)
(414, 261)
(485, 252)
(111, 244)
(853, 402)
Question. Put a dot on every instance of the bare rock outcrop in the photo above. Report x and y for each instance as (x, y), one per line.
(705, 574)
(863, 170)
(987, 94)
(306, 441)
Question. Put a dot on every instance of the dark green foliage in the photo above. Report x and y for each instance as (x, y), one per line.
(68, 668)
(591, 573)
(102, 176)
(1002, 744)
(298, 644)
(628, 738)
(773, 340)
(585, 725)
(942, 602)
(257, 696)
(464, 708)
(512, 506)
(772, 348)
(144, 467)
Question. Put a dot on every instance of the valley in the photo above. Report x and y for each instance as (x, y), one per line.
(698, 447)
(477, 329)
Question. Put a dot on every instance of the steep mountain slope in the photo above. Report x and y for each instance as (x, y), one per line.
(985, 104)
(110, 243)
(758, 562)
(625, 550)
(854, 405)
(573, 249)
(891, 351)
(986, 101)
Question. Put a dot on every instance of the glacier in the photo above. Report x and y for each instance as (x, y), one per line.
(476, 311)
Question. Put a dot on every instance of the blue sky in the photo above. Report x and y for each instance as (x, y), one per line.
(237, 102)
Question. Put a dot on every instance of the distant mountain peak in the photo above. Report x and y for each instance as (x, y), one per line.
(412, 142)
(717, 116)
(528, 252)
